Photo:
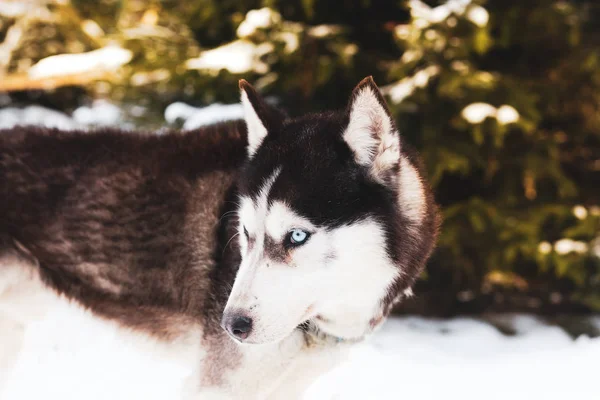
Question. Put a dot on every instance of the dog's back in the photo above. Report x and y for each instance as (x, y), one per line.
(107, 216)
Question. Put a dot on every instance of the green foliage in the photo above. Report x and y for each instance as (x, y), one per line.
(501, 98)
(505, 114)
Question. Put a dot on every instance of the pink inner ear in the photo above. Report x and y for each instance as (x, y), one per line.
(377, 124)
(368, 123)
(371, 133)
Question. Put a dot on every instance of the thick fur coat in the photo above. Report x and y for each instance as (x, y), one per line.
(268, 242)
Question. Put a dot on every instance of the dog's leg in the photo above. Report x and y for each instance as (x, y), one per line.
(314, 361)
(232, 371)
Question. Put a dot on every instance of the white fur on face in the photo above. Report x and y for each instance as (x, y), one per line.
(337, 278)
(356, 279)
(252, 212)
(256, 129)
(370, 133)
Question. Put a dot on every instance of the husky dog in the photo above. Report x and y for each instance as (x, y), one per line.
(266, 246)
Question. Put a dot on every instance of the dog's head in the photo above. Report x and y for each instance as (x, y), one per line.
(335, 221)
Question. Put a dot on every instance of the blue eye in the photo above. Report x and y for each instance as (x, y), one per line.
(297, 237)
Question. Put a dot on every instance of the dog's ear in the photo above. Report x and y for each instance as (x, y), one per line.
(260, 117)
(371, 132)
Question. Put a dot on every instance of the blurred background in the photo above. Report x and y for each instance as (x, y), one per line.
(500, 97)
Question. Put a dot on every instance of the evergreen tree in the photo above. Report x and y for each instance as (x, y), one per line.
(503, 104)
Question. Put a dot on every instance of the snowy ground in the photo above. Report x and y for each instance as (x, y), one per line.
(465, 359)
(412, 358)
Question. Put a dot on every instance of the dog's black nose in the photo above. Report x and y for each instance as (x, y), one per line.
(239, 326)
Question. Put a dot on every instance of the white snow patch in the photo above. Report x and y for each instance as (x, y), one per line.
(321, 31)
(478, 15)
(400, 90)
(13, 9)
(35, 115)
(566, 246)
(105, 59)
(255, 19)
(237, 57)
(507, 114)
(99, 113)
(197, 117)
(424, 15)
(476, 113)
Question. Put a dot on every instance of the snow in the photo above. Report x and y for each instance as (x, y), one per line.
(466, 359)
(237, 57)
(99, 113)
(566, 246)
(196, 117)
(507, 115)
(14, 9)
(476, 113)
(257, 19)
(321, 31)
(478, 15)
(105, 59)
(410, 357)
(35, 115)
(427, 15)
(400, 90)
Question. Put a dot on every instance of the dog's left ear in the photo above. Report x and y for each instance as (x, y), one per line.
(371, 132)
(260, 117)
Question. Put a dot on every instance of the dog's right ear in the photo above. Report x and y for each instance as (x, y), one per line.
(260, 117)
(371, 133)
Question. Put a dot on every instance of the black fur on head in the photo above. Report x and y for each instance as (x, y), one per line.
(344, 166)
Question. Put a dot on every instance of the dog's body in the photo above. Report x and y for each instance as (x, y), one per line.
(294, 236)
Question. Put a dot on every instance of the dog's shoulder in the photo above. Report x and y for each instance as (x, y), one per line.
(119, 220)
